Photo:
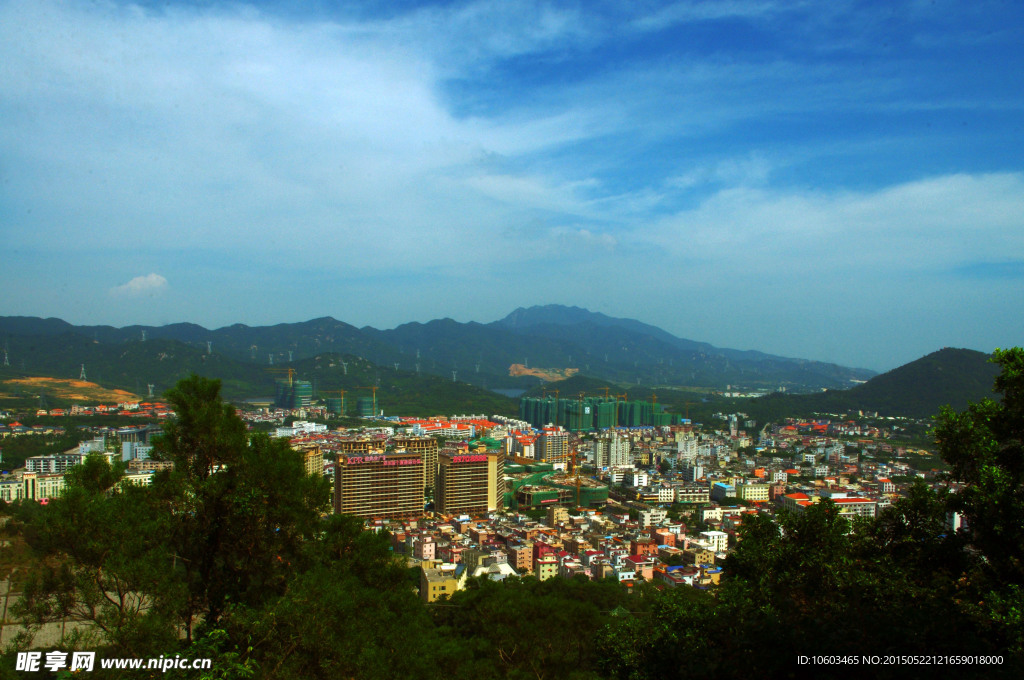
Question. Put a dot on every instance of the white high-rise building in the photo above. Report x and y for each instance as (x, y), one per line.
(611, 450)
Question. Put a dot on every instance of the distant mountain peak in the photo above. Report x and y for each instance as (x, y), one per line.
(553, 314)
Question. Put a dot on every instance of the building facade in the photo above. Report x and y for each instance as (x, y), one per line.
(470, 483)
(379, 485)
(427, 448)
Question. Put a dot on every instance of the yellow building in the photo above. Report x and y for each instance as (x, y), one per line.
(361, 445)
(313, 458)
(379, 485)
(752, 492)
(545, 568)
(37, 487)
(436, 583)
(428, 448)
(470, 483)
(556, 515)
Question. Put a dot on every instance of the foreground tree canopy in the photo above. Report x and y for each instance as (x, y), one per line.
(231, 556)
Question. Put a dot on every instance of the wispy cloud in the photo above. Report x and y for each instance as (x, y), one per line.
(690, 146)
(931, 223)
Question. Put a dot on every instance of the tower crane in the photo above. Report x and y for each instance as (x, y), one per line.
(341, 393)
(374, 389)
(289, 371)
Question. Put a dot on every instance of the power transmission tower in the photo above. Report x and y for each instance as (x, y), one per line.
(81, 376)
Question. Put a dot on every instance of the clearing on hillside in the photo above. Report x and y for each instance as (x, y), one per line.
(74, 390)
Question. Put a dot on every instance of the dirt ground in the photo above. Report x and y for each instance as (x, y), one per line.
(74, 390)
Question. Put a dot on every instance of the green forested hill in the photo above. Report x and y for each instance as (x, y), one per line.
(918, 389)
(134, 365)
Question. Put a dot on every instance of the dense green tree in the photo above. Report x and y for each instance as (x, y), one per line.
(226, 527)
(101, 561)
(984, 446)
(346, 611)
(525, 628)
(242, 505)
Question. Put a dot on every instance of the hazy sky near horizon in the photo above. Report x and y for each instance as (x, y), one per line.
(841, 181)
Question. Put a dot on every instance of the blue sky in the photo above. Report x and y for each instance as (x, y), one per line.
(840, 181)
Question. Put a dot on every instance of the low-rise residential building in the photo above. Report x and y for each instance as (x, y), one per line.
(718, 540)
(438, 583)
(545, 567)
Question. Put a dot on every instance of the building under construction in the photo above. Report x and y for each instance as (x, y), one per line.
(592, 413)
(293, 394)
(366, 407)
(335, 406)
(539, 485)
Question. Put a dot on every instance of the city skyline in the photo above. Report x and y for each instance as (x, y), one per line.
(840, 183)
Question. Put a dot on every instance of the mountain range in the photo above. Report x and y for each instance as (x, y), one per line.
(552, 337)
(444, 366)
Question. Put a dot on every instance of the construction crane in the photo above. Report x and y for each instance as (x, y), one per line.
(623, 397)
(289, 371)
(374, 389)
(687, 404)
(341, 393)
(574, 460)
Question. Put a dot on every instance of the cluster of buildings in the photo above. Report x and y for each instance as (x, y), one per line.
(42, 477)
(146, 409)
(564, 544)
(464, 496)
(16, 429)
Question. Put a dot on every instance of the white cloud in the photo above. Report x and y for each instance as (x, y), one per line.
(150, 284)
(935, 224)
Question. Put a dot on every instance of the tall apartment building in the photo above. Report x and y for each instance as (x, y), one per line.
(379, 485)
(552, 445)
(313, 460)
(686, 447)
(427, 448)
(469, 483)
(611, 450)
